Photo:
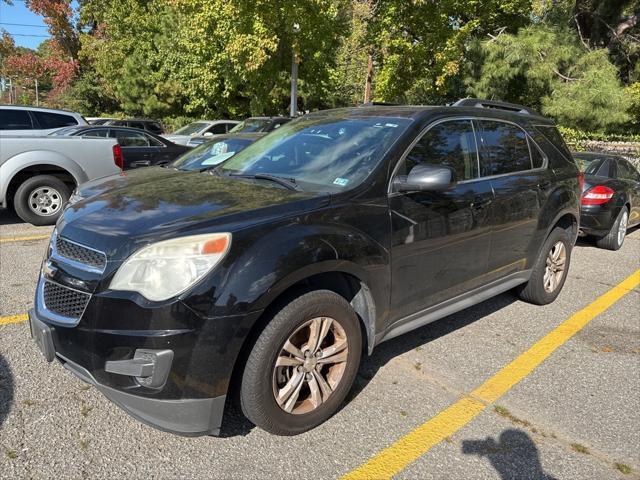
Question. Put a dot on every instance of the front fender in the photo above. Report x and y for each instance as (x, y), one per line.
(271, 262)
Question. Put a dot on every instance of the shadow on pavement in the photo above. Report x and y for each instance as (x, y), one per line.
(514, 455)
(9, 217)
(6, 389)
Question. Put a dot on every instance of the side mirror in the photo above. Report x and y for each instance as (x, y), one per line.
(423, 177)
(208, 134)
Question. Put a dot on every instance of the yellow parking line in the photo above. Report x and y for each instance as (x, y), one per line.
(14, 319)
(23, 239)
(409, 448)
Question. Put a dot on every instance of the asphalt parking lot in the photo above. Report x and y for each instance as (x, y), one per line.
(567, 411)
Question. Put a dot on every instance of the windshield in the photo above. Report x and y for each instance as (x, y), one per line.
(250, 125)
(190, 129)
(324, 153)
(210, 153)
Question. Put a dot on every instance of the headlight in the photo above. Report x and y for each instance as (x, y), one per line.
(165, 269)
(75, 198)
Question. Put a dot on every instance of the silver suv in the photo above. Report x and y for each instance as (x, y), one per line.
(24, 120)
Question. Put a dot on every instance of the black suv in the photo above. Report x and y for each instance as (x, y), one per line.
(271, 274)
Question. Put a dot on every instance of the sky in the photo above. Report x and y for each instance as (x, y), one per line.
(22, 35)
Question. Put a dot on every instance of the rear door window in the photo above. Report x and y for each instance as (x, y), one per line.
(15, 119)
(154, 142)
(626, 171)
(54, 120)
(128, 138)
(100, 133)
(451, 144)
(503, 149)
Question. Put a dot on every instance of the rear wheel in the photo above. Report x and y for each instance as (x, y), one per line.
(302, 365)
(550, 270)
(40, 200)
(615, 238)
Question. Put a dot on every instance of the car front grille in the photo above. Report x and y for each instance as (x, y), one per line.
(64, 301)
(80, 254)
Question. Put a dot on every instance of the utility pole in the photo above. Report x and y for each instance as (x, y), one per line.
(369, 81)
(295, 59)
(37, 97)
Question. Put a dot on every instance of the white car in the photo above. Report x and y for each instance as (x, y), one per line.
(35, 121)
(200, 128)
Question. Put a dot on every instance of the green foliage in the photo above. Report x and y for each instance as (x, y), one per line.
(547, 68)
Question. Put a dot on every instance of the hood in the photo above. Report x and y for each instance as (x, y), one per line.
(120, 213)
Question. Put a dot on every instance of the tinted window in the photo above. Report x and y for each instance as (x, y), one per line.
(626, 170)
(139, 125)
(154, 127)
(553, 135)
(127, 138)
(15, 120)
(218, 128)
(54, 120)
(101, 133)
(593, 165)
(450, 144)
(537, 159)
(154, 142)
(504, 149)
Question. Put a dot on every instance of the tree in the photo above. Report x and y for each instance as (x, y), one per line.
(549, 69)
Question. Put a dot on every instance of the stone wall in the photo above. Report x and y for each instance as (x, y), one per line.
(629, 150)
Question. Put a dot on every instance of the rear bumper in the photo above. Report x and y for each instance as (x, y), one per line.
(598, 220)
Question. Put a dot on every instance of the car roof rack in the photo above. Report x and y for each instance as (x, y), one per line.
(494, 104)
(379, 104)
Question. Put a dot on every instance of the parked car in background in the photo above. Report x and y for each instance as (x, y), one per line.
(98, 120)
(215, 151)
(38, 174)
(610, 198)
(259, 124)
(205, 128)
(153, 126)
(276, 270)
(139, 148)
(35, 121)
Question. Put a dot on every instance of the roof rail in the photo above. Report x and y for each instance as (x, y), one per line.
(495, 104)
(382, 104)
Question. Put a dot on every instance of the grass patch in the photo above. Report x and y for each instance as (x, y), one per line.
(417, 366)
(84, 444)
(418, 349)
(626, 469)
(28, 403)
(403, 413)
(580, 448)
(10, 454)
(504, 412)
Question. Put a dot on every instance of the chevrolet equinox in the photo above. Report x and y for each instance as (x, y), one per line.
(271, 274)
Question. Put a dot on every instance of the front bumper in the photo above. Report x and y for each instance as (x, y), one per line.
(183, 416)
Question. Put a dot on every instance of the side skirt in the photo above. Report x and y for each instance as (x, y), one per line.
(453, 305)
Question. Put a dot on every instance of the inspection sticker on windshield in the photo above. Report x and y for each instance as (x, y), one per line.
(341, 181)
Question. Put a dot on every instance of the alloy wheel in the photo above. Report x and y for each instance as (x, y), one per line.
(622, 228)
(310, 365)
(555, 266)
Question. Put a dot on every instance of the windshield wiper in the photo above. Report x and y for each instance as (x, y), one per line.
(289, 183)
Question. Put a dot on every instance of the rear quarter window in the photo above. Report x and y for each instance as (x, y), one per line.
(552, 134)
(48, 120)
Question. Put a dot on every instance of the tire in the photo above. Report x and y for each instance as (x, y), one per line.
(536, 290)
(615, 238)
(262, 380)
(51, 190)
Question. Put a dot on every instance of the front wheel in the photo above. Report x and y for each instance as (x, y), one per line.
(615, 238)
(303, 364)
(550, 270)
(40, 199)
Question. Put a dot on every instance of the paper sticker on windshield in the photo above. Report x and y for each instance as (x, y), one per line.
(341, 181)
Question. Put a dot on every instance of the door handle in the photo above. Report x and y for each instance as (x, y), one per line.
(479, 203)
